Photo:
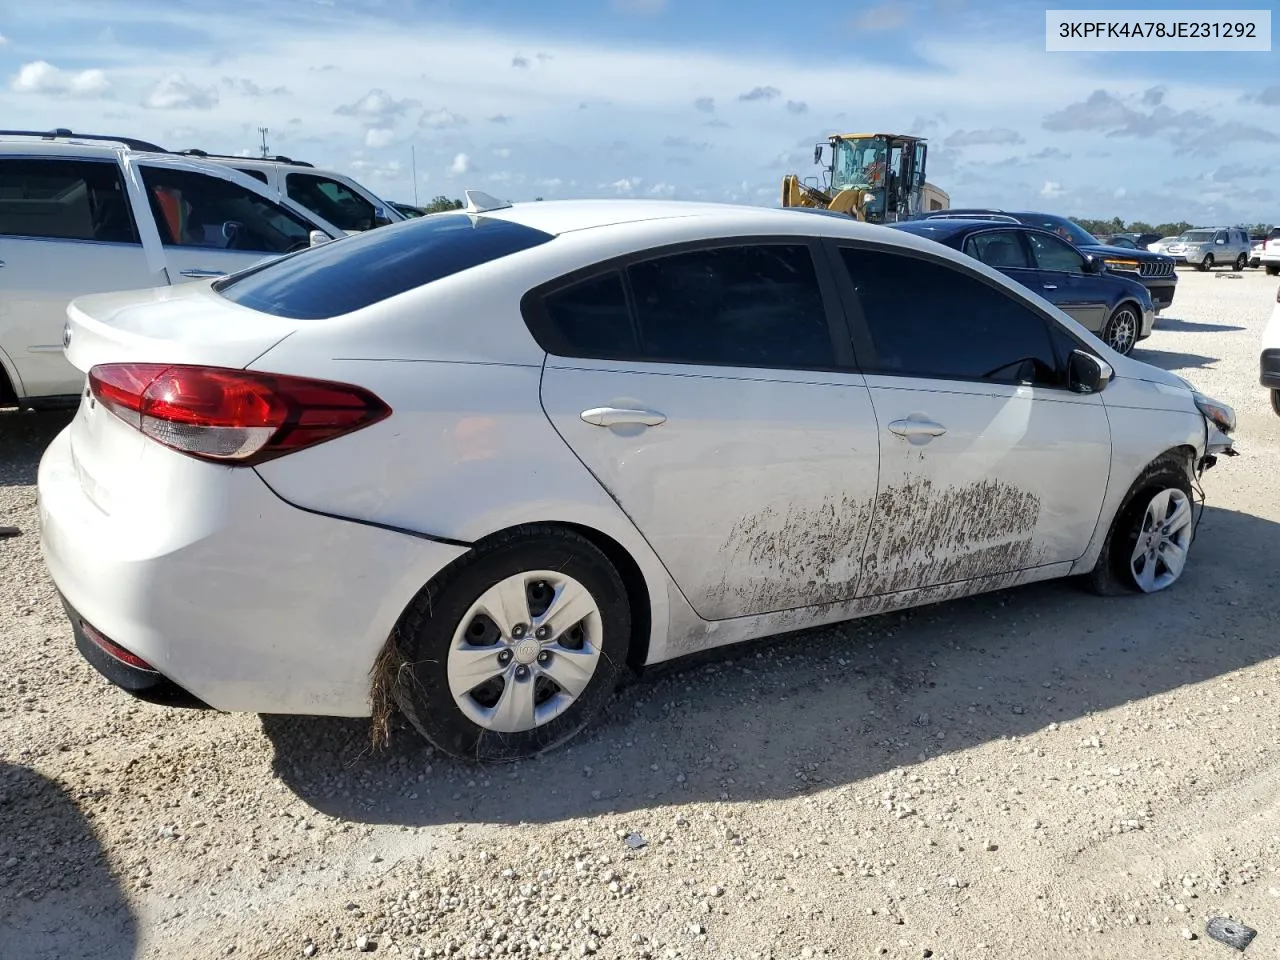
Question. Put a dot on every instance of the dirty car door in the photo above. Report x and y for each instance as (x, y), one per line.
(719, 417)
(988, 464)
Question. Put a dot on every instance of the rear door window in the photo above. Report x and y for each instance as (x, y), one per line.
(65, 200)
(998, 248)
(366, 268)
(332, 200)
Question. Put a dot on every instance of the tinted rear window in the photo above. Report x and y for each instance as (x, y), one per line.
(358, 271)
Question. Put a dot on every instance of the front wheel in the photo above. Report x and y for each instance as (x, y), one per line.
(1207, 262)
(1275, 401)
(1121, 331)
(515, 647)
(1147, 546)
(1241, 261)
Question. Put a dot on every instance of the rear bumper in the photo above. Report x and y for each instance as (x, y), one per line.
(239, 600)
(1269, 375)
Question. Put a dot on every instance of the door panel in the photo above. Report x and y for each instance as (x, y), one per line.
(1064, 283)
(756, 488)
(39, 278)
(1015, 481)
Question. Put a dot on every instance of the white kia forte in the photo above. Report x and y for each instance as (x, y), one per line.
(478, 465)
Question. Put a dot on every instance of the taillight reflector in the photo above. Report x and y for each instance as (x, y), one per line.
(236, 417)
(113, 649)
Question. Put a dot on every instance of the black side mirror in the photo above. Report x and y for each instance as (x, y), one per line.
(817, 154)
(1093, 264)
(1087, 373)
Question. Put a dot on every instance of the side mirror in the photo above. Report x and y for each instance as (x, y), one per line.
(1220, 242)
(817, 154)
(1087, 373)
(1094, 264)
(318, 237)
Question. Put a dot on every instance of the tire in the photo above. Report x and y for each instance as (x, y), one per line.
(1273, 269)
(1275, 401)
(443, 632)
(1168, 478)
(1241, 262)
(1207, 263)
(1122, 328)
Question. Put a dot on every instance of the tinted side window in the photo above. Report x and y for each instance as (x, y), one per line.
(1054, 254)
(65, 200)
(590, 319)
(333, 201)
(754, 305)
(196, 210)
(999, 248)
(366, 268)
(930, 320)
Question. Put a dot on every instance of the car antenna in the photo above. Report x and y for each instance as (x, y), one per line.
(480, 202)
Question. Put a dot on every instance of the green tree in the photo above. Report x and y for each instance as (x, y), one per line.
(442, 203)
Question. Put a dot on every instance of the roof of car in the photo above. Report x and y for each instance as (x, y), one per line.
(566, 216)
(946, 226)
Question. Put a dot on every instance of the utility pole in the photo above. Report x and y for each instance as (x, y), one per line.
(413, 164)
(263, 132)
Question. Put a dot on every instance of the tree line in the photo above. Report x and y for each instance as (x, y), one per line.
(1117, 225)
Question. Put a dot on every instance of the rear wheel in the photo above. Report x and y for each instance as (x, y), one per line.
(1147, 546)
(1241, 261)
(515, 647)
(1272, 269)
(1121, 331)
(1275, 401)
(1207, 262)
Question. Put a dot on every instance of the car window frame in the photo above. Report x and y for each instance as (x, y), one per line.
(541, 328)
(1062, 340)
(375, 209)
(126, 197)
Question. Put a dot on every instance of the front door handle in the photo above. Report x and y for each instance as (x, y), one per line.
(917, 427)
(195, 273)
(611, 416)
(1051, 286)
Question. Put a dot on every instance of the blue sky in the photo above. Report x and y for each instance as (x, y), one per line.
(705, 99)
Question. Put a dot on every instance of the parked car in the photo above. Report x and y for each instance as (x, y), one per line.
(334, 196)
(1269, 255)
(1271, 355)
(616, 432)
(92, 214)
(1154, 270)
(1207, 247)
(1255, 251)
(1130, 241)
(1115, 307)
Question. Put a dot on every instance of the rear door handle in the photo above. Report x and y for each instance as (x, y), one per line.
(913, 427)
(197, 272)
(1051, 286)
(611, 416)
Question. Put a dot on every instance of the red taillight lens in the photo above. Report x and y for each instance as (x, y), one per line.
(237, 417)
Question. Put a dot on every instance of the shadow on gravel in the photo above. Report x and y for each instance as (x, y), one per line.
(823, 708)
(23, 437)
(59, 897)
(1171, 359)
(1190, 326)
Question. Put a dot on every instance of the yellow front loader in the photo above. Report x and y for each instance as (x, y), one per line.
(873, 177)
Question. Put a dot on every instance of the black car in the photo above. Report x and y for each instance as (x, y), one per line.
(1112, 305)
(1130, 241)
(1154, 270)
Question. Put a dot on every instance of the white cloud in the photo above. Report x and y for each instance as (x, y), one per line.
(3, 40)
(375, 138)
(44, 77)
(377, 106)
(176, 92)
(662, 190)
(1051, 190)
(626, 184)
(502, 151)
(461, 165)
(441, 119)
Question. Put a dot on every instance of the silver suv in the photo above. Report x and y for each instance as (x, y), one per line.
(1207, 247)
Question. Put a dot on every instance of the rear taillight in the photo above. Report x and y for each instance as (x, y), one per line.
(236, 417)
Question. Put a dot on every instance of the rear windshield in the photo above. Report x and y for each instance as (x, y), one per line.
(358, 271)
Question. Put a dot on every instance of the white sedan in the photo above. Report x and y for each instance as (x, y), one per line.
(477, 465)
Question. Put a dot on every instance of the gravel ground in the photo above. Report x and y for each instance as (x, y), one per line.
(1032, 773)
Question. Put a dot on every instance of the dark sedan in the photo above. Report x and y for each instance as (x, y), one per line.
(1154, 270)
(1115, 307)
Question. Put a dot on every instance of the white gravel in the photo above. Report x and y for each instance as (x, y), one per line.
(1033, 773)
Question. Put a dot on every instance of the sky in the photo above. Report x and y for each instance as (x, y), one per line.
(686, 99)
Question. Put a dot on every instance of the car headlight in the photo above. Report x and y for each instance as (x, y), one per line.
(1117, 263)
(1216, 412)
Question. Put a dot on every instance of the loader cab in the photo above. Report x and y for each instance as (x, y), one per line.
(890, 168)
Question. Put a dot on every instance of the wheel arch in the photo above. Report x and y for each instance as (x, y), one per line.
(8, 382)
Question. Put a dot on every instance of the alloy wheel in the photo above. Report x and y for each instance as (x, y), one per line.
(524, 651)
(1122, 331)
(1164, 537)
